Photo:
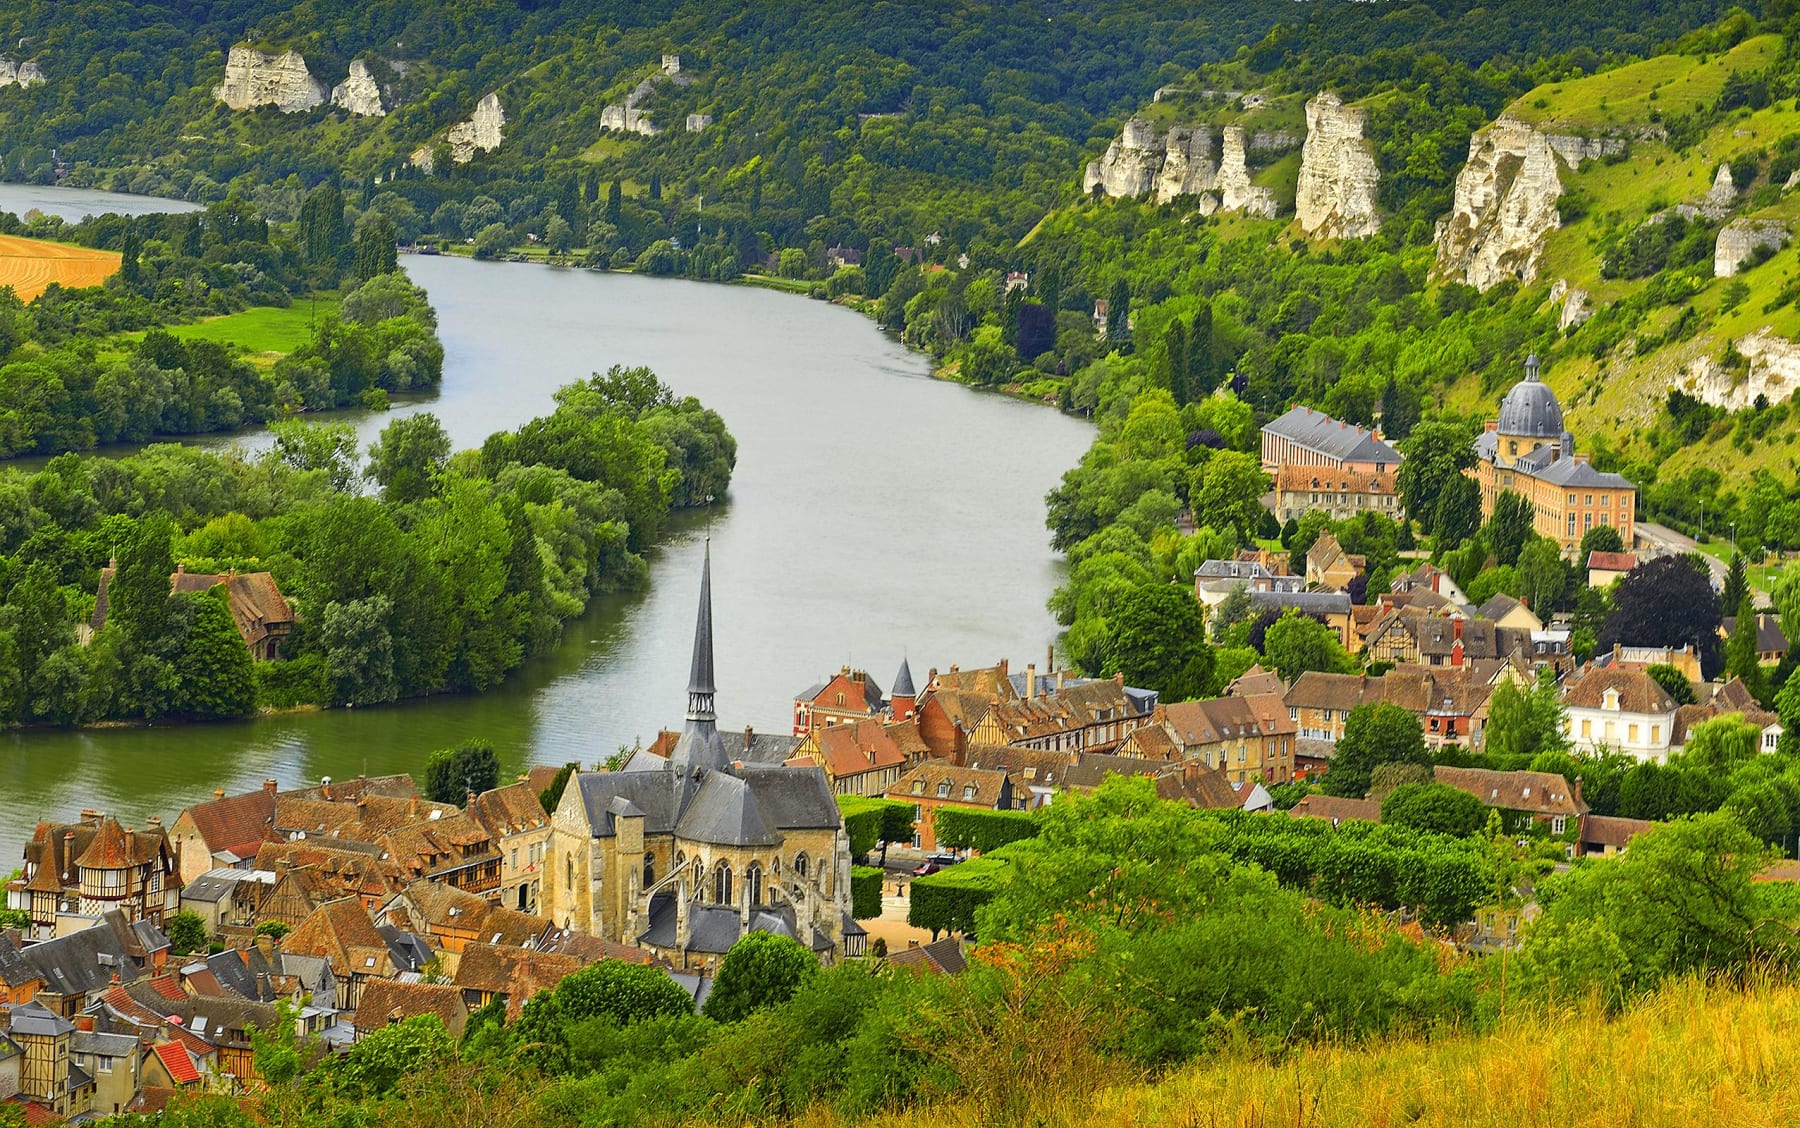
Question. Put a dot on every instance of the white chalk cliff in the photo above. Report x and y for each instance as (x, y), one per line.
(481, 133)
(358, 93)
(1335, 195)
(1504, 207)
(1742, 238)
(1774, 373)
(1164, 166)
(254, 79)
(19, 74)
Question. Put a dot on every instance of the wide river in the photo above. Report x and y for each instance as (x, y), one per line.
(875, 513)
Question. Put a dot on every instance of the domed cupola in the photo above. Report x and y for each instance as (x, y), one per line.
(1530, 410)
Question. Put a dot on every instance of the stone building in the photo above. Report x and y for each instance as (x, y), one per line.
(1529, 452)
(685, 856)
(1304, 437)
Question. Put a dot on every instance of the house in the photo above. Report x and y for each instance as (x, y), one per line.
(840, 257)
(227, 898)
(1641, 658)
(1450, 704)
(263, 618)
(342, 933)
(859, 759)
(1087, 716)
(1304, 437)
(1411, 636)
(389, 1001)
(1522, 798)
(455, 919)
(1102, 313)
(935, 784)
(1329, 567)
(1606, 567)
(847, 696)
(1341, 493)
(1256, 682)
(1527, 451)
(1215, 580)
(112, 1060)
(1329, 607)
(1623, 709)
(1015, 280)
(1038, 775)
(487, 972)
(1244, 738)
(1197, 785)
(519, 827)
(1504, 611)
(89, 867)
(1722, 700)
(1608, 835)
(68, 972)
(685, 856)
(1428, 577)
(224, 832)
(309, 874)
(1335, 809)
(1771, 641)
(48, 1075)
(450, 846)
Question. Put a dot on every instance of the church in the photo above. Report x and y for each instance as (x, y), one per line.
(684, 856)
(1528, 451)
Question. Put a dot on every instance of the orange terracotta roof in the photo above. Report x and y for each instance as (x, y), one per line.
(175, 1059)
(238, 823)
(850, 750)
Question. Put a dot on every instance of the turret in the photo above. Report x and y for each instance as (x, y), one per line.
(903, 699)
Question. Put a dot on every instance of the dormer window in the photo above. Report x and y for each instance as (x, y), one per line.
(918, 787)
(968, 792)
(1610, 700)
(944, 789)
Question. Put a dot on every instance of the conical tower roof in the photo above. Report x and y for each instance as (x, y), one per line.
(903, 683)
(700, 746)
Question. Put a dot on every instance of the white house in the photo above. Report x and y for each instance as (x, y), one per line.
(1622, 709)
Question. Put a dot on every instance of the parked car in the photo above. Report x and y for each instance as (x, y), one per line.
(926, 868)
(943, 859)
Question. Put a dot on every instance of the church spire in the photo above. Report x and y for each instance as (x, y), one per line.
(700, 747)
(700, 674)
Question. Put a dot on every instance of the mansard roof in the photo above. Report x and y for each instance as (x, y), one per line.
(1316, 431)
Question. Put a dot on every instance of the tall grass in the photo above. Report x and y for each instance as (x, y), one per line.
(1693, 1054)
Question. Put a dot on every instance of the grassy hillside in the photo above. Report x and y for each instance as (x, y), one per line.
(1692, 1055)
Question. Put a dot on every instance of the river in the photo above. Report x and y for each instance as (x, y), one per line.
(875, 513)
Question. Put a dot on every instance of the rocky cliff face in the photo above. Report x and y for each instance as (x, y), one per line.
(1335, 196)
(1131, 163)
(1774, 373)
(1741, 238)
(19, 74)
(1142, 162)
(1236, 193)
(1505, 205)
(254, 79)
(480, 133)
(358, 93)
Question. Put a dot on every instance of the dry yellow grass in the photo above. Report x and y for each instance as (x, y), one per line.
(30, 265)
(1694, 1055)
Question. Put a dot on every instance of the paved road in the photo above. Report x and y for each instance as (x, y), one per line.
(1660, 540)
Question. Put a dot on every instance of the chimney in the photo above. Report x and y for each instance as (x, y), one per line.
(1002, 667)
(1578, 791)
(1119, 680)
(749, 737)
(270, 786)
(1031, 680)
(954, 668)
(180, 569)
(412, 807)
(471, 801)
(218, 794)
(1060, 674)
(84, 1023)
(154, 820)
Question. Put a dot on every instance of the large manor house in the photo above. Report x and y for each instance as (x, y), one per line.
(1320, 463)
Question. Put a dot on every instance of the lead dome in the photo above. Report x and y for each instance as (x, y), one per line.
(1530, 408)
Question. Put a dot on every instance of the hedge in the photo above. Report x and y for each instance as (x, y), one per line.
(946, 901)
(969, 828)
(865, 891)
(869, 820)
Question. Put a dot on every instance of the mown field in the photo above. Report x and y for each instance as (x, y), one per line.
(29, 266)
(264, 330)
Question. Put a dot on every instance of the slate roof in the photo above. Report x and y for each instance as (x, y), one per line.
(1638, 691)
(80, 963)
(1540, 793)
(903, 682)
(217, 884)
(1345, 442)
(944, 957)
(34, 1020)
(1769, 635)
(781, 799)
(1311, 602)
(713, 929)
(1578, 472)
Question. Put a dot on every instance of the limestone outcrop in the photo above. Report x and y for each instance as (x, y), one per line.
(1722, 197)
(1131, 163)
(1181, 162)
(1773, 373)
(1505, 205)
(19, 74)
(1742, 238)
(1572, 308)
(254, 79)
(1236, 193)
(1335, 195)
(481, 133)
(358, 93)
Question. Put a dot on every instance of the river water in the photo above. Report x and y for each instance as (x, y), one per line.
(875, 513)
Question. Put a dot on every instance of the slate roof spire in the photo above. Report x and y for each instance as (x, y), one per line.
(700, 745)
(903, 683)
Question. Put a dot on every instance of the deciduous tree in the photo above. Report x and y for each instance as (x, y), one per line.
(761, 970)
(1374, 734)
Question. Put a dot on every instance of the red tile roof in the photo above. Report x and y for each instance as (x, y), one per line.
(1612, 561)
(36, 1115)
(238, 823)
(176, 1060)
